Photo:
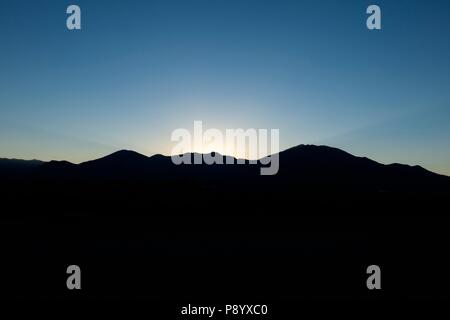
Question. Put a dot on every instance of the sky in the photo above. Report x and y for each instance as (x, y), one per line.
(138, 70)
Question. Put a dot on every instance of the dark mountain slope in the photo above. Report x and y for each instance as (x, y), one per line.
(321, 166)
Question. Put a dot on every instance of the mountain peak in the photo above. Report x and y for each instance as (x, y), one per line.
(121, 157)
(125, 154)
(317, 148)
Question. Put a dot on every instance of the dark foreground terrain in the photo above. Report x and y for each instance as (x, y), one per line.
(142, 228)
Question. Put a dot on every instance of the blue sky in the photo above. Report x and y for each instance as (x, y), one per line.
(140, 69)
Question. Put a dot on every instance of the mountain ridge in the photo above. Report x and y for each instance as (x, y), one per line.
(300, 165)
(125, 154)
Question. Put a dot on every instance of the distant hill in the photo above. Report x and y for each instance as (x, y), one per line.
(14, 167)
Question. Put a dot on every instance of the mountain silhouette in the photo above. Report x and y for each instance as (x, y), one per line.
(117, 159)
(16, 167)
(322, 165)
(301, 166)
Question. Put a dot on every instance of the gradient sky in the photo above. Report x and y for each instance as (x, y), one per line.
(140, 69)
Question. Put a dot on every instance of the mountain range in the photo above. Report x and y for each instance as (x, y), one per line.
(306, 166)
